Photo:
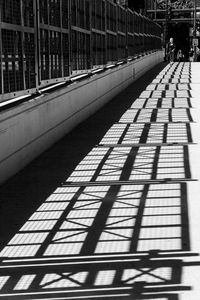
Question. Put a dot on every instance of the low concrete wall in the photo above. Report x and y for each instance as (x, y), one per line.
(31, 127)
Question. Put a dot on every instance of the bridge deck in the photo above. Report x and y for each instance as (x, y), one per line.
(112, 211)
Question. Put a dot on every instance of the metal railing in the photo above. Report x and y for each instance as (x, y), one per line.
(47, 41)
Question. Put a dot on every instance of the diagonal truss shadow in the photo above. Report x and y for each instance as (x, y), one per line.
(118, 227)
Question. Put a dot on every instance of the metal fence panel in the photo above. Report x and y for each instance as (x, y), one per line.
(46, 41)
(53, 40)
(18, 71)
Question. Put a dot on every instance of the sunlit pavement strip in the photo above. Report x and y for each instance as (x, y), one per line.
(125, 224)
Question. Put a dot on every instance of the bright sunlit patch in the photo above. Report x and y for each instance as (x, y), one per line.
(133, 134)
(128, 117)
(105, 277)
(20, 251)
(52, 206)
(157, 94)
(28, 238)
(145, 94)
(177, 133)
(144, 116)
(60, 197)
(152, 233)
(164, 192)
(44, 215)
(180, 115)
(24, 282)
(166, 244)
(113, 134)
(38, 225)
(80, 213)
(128, 211)
(139, 103)
(166, 210)
(112, 247)
(163, 220)
(152, 103)
(58, 249)
(3, 281)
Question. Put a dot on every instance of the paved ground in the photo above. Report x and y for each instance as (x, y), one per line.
(113, 210)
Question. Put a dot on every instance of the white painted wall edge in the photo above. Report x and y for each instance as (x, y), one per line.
(31, 127)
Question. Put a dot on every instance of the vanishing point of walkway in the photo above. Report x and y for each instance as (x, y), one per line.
(113, 210)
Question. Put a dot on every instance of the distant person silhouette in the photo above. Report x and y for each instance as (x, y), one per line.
(191, 54)
(180, 56)
(171, 50)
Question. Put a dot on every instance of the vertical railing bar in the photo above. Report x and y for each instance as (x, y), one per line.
(126, 32)
(49, 38)
(69, 37)
(118, 17)
(61, 38)
(106, 39)
(37, 43)
(84, 37)
(22, 42)
(1, 51)
(90, 40)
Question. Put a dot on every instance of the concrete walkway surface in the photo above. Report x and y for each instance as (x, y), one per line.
(113, 210)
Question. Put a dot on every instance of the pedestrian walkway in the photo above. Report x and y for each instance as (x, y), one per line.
(125, 223)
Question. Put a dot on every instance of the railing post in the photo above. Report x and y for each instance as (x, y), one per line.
(37, 44)
(22, 45)
(166, 27)
(194, 29)
(1, 55)
(70, 35)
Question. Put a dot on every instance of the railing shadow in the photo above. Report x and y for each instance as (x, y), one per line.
(118, 227)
